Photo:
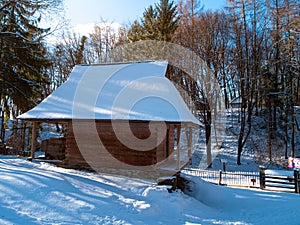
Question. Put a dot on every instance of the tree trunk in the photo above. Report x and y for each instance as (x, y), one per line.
(293, 134)
(241, 136)
(269, 129)
(208, 138)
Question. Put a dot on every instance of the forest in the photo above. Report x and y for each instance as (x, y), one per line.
(251, 47)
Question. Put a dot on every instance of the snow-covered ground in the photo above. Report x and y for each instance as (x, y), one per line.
(255, 151)
(40, 193)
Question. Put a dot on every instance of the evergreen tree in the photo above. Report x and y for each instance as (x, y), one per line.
(22, 58)
(158, 23)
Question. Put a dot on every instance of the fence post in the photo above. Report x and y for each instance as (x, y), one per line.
(296, 179)
(262, 179)
(220, 177)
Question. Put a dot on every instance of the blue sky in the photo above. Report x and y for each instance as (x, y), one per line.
(119, 11)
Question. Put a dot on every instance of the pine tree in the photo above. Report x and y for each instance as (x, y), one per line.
(22, 58)
(159, 22)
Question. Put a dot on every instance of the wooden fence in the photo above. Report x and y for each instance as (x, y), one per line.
(288, 181)
(280, 182)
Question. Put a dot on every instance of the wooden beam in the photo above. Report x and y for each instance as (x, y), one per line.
(33, 141)
(23, 135)
(178, 148)
(190, 141)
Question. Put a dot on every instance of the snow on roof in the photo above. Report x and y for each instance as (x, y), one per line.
(121, 91)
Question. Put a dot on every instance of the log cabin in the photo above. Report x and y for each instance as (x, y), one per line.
(121, 118)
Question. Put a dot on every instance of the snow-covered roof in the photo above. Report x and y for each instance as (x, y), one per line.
(120, 91)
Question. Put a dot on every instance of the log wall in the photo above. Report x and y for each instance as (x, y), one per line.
(54, 148)
(113, 153)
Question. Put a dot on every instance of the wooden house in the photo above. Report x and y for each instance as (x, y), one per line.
(124, 118)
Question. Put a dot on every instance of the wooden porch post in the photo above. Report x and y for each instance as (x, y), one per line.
(190, 141)
(33, 141)
(178, 148)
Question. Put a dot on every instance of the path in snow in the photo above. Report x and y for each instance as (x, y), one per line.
(39, 193)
